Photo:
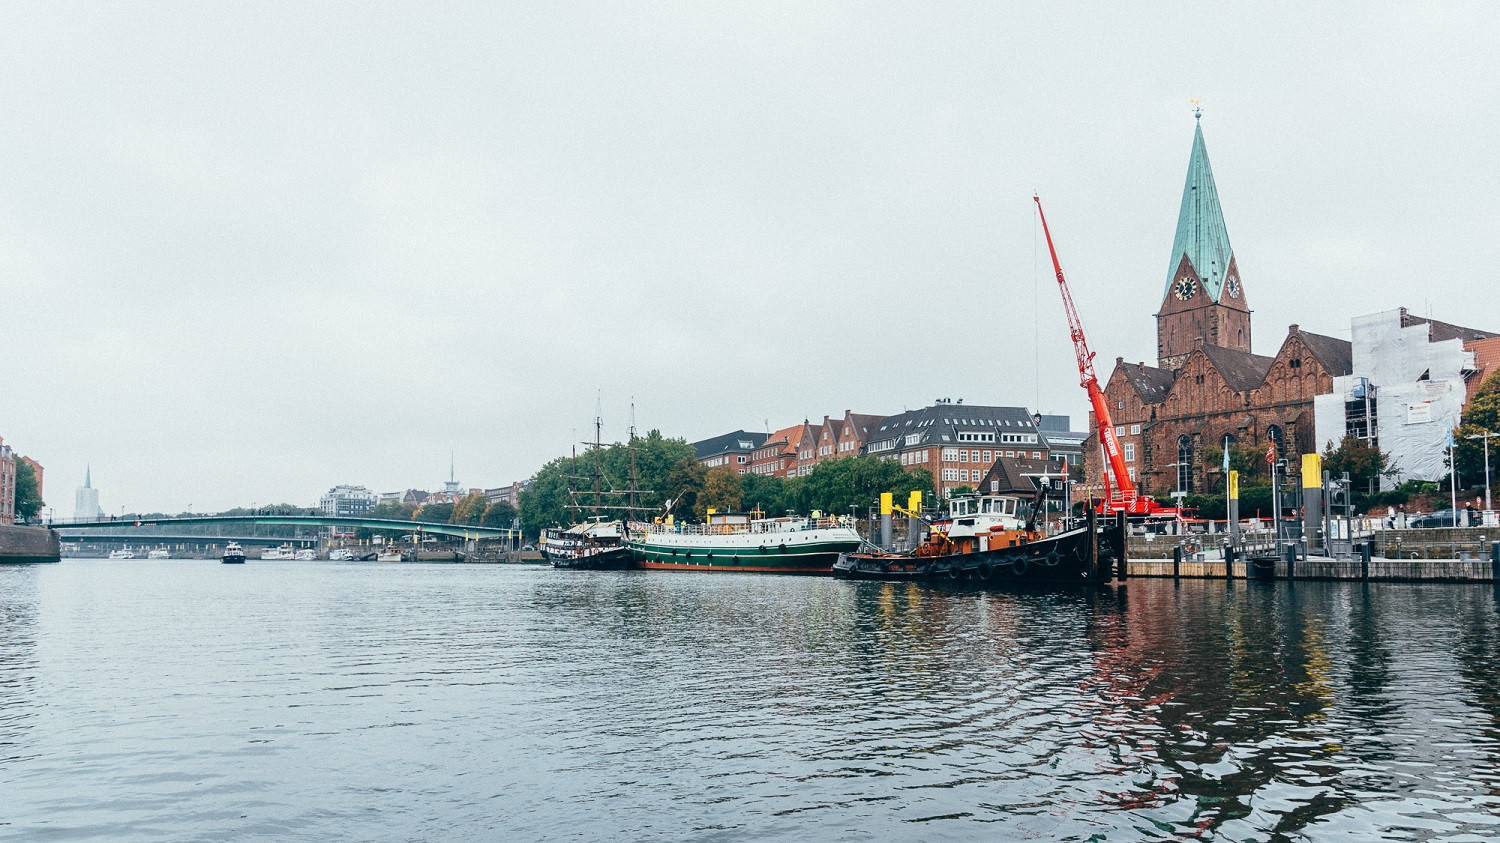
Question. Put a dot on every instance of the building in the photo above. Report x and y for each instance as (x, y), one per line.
(845, 437)
(86, 498)
(7, 484)
(777, 456)
(347, 501)
(1410, 380)
(957, 442)
(1063, 443)
(508, 494)
(733, 450)
(1208, 389)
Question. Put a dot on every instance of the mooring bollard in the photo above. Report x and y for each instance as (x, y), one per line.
(1228, 561)
(1495, 561)
(1177, 562)
(1291, 561)
(1364, 561)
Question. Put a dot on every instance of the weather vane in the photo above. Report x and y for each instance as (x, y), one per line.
(1197, 107)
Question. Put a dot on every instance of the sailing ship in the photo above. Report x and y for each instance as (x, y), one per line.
(595, 545)
(739, 542)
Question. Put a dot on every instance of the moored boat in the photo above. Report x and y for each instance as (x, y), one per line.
(305, 555)
(124, 553)
(733, 542)
(284, 551)
(159, 553)
(593, 546)
(981, 542)
(234, 554)
(340, 554)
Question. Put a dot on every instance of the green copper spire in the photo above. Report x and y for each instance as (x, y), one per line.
(1201, 234)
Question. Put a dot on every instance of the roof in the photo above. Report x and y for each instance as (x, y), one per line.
(941, 423)
(864, 423)
(1151, 383)
(1242, 370)
(1201, 234)
(784, 436)
(1015, 473)
(1439, 331)
(1332, 353)
(738, 442)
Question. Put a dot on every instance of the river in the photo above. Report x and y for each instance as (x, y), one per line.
(191, 700)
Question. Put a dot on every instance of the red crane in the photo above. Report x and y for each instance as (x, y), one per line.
(1123, 496)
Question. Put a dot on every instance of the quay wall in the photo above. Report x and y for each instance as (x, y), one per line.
(1381, 570)
(28, 544)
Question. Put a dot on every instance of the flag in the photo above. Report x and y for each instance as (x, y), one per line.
(1271, 454)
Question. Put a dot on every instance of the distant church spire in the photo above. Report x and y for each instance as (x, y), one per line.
(88, 476)
(1201, 234)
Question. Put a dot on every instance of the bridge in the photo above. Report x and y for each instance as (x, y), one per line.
(467, 532)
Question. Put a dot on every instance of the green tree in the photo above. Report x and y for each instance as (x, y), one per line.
(763, 493)
(1248, 460)
(546, 503)
(686, 480)
(1481, 415)
(28, 498)
(1364, 462)
(963, 489)
(499, 514)
(434, 512)
(722, 492)
(469, 509)
(838, 485)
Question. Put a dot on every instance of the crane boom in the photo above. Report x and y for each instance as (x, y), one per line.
(1124, 487)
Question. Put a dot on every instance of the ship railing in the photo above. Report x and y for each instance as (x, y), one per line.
(778, 525)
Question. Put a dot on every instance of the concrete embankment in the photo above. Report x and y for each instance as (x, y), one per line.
(28, 544)
(1316, 568)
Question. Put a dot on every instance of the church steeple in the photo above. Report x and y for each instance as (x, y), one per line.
(1204, 299)
(1202, 237)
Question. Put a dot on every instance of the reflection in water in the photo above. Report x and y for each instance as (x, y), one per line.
(292, 700)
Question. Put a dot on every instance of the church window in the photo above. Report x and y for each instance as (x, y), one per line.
(1135, 430)
(1184, 464)
(1274, 434)
(1130, 452)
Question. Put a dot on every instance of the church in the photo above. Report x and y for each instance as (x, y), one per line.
(1207, 388)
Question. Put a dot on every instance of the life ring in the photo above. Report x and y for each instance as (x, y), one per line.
(985, 571)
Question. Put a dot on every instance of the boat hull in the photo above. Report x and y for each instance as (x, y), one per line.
(613, 559)
(237, 559)
(786, 556)
(1073, 557)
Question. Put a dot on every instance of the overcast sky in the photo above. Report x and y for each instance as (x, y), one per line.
(249, 251)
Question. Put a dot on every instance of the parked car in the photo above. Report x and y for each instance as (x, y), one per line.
(1445, 518)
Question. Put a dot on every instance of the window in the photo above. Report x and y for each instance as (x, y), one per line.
(1036, 455)
(1130, 452)
(995, 487)
(1131, 471)
(950, 475)
(1135, 430)
(950, 455)
(1120, 431)
(963, 456)
(924, 456)
(1010, 453)
(989, 457)
(1184, 464)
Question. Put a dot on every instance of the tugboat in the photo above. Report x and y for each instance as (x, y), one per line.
(737, 542)
(592, 546)
(234, 554)
(984, 540)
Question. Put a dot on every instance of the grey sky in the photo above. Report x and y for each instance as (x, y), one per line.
(248, 251)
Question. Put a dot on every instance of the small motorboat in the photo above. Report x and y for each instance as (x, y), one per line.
(305, 555)
(340, 554)
(159, 554)
(124, 553)
(234, 554)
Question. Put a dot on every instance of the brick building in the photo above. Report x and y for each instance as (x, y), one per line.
(730, 449)
(1208, 388)
(7, 484)
(795, 451)
(958, 442)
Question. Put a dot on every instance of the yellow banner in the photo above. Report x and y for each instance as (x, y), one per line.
(887, 503)
(1234, 485)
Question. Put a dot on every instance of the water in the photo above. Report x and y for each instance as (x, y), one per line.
(192, 701)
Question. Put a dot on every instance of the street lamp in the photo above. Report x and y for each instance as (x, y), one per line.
(1486, 436)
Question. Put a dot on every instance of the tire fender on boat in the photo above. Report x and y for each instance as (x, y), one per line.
(1019, 565)
(954, 573)
(985, 571)
(781, 547)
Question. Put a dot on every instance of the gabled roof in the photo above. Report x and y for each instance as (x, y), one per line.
(864, 423)
(784, 437)
(1242, 370)
(1439, 331)
(1150, 383)
(1334, 354)
(738, 442)
(1201, 234)
(1015, 473)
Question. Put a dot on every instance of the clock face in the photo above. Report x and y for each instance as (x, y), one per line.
(1185, 288)
(1234, 287)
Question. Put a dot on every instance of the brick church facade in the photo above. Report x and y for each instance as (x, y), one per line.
(1207, 387)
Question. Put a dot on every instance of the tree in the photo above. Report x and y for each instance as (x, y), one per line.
(838, 485)
(469, 509)
(964, 489)
(546, 502)
(686, 480)
(434, 512)
(1248, 460)
(722, 492)
(763, 493)
(28, 499)
(1481, 414)
(1364, 462)
(499, 514)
